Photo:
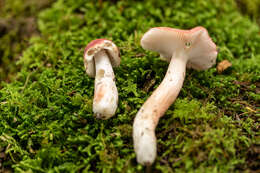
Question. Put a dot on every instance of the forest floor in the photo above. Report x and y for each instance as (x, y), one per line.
(46, 98)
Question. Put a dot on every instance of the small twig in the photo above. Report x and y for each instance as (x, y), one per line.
(26, 81)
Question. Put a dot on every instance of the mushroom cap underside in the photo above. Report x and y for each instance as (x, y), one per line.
(195, 43)
(93, 48)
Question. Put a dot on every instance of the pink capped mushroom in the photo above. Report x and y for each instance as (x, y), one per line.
(192, 48)
(99, 57)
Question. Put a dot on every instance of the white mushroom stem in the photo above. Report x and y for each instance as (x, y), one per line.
(106, 95)
(157, 104)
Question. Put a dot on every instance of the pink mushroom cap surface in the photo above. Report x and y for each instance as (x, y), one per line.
(94, 47)
(199, 47)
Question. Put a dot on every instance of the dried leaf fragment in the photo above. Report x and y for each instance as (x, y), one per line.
(223, 65)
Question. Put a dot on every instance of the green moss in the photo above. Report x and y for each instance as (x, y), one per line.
(47, 124)
(206, 141)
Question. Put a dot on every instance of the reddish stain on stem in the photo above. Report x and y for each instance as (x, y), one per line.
(99, 94)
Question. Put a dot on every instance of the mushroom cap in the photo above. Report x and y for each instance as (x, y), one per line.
(195, 43)
(94, 47)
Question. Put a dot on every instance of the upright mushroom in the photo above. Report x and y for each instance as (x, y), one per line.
(192, 48)
(99, 57)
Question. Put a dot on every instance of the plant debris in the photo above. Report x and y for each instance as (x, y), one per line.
(223, 65)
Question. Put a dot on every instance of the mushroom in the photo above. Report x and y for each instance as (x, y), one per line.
(192, 48)
(99, 57)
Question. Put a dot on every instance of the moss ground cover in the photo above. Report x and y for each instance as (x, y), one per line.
(46, 113)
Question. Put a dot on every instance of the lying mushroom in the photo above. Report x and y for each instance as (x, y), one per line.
(192, 48)
(99, 57)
